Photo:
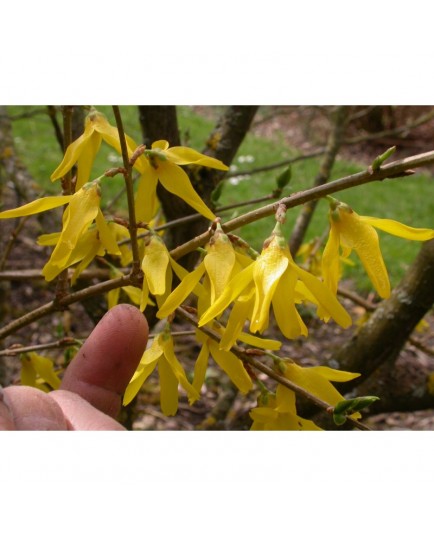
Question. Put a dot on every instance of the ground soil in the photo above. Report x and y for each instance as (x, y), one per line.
(305, 129)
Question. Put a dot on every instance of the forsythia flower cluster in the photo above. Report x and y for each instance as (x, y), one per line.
(232, 288)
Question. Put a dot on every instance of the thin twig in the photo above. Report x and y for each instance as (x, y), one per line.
(62, 303)
(51, 110)
(130, 191)
(16, 349)
(321, 150)
(62, 283)
(12, 239)
(391, 171)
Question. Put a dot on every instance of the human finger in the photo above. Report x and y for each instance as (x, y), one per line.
(103, 367)
(27, 408)
(81, 415)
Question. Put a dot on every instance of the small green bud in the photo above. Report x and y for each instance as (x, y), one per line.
(284, 178)
(376, 164)
(352, 405)
(216, 193)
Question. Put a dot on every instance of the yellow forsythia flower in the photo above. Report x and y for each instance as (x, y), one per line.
(83, 209)
(37, 370)
(350, 231)
(221, 262)
(171, 374)
(157, 266)
(317, 380)
(278, 412)
(272, 280)
(161, 163)
(83, 150)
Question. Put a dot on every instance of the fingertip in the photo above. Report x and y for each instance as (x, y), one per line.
(102, 369)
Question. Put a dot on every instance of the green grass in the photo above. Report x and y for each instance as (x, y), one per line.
(409, 200)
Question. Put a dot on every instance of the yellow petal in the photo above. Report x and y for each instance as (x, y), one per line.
(263, 415)
(146, 202)
(82, 210)
(178, 371)
(175, 180)
(28, 372)
(335, 375)
(86, 160)
(49, 239)
(232, 366)
(110, 135)
(86, 248)
(75, 150)
(289, 321)
(399, 229)
(325, 297)
(92, 252)
(162, 145)
(136, 382)
(185, 155)
(106, 236)
(219, 263)
(34, 207)
(168, 388)
(144, 295)
(269, 267)
(241, 311)
(181, 292)
(44, 367)
(315, 380)
(133, 293)
(285, 399)
(237, 284)
(200, 367)
(259, 342)
(154, 265)
(154, 352)
(113, 297)
(363, 238)
(330, 266)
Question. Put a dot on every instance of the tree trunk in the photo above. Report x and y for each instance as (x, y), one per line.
(381, 339)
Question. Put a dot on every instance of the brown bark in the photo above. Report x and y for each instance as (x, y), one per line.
(381, 339)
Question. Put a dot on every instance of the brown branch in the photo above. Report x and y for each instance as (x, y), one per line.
(58, 305)
(51, 110)
(282, 163)
(62, 284)
(130, 191)
(17, 349)
(12, 239)
(391, 171)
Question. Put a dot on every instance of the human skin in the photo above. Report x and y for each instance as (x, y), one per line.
(90, 394)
